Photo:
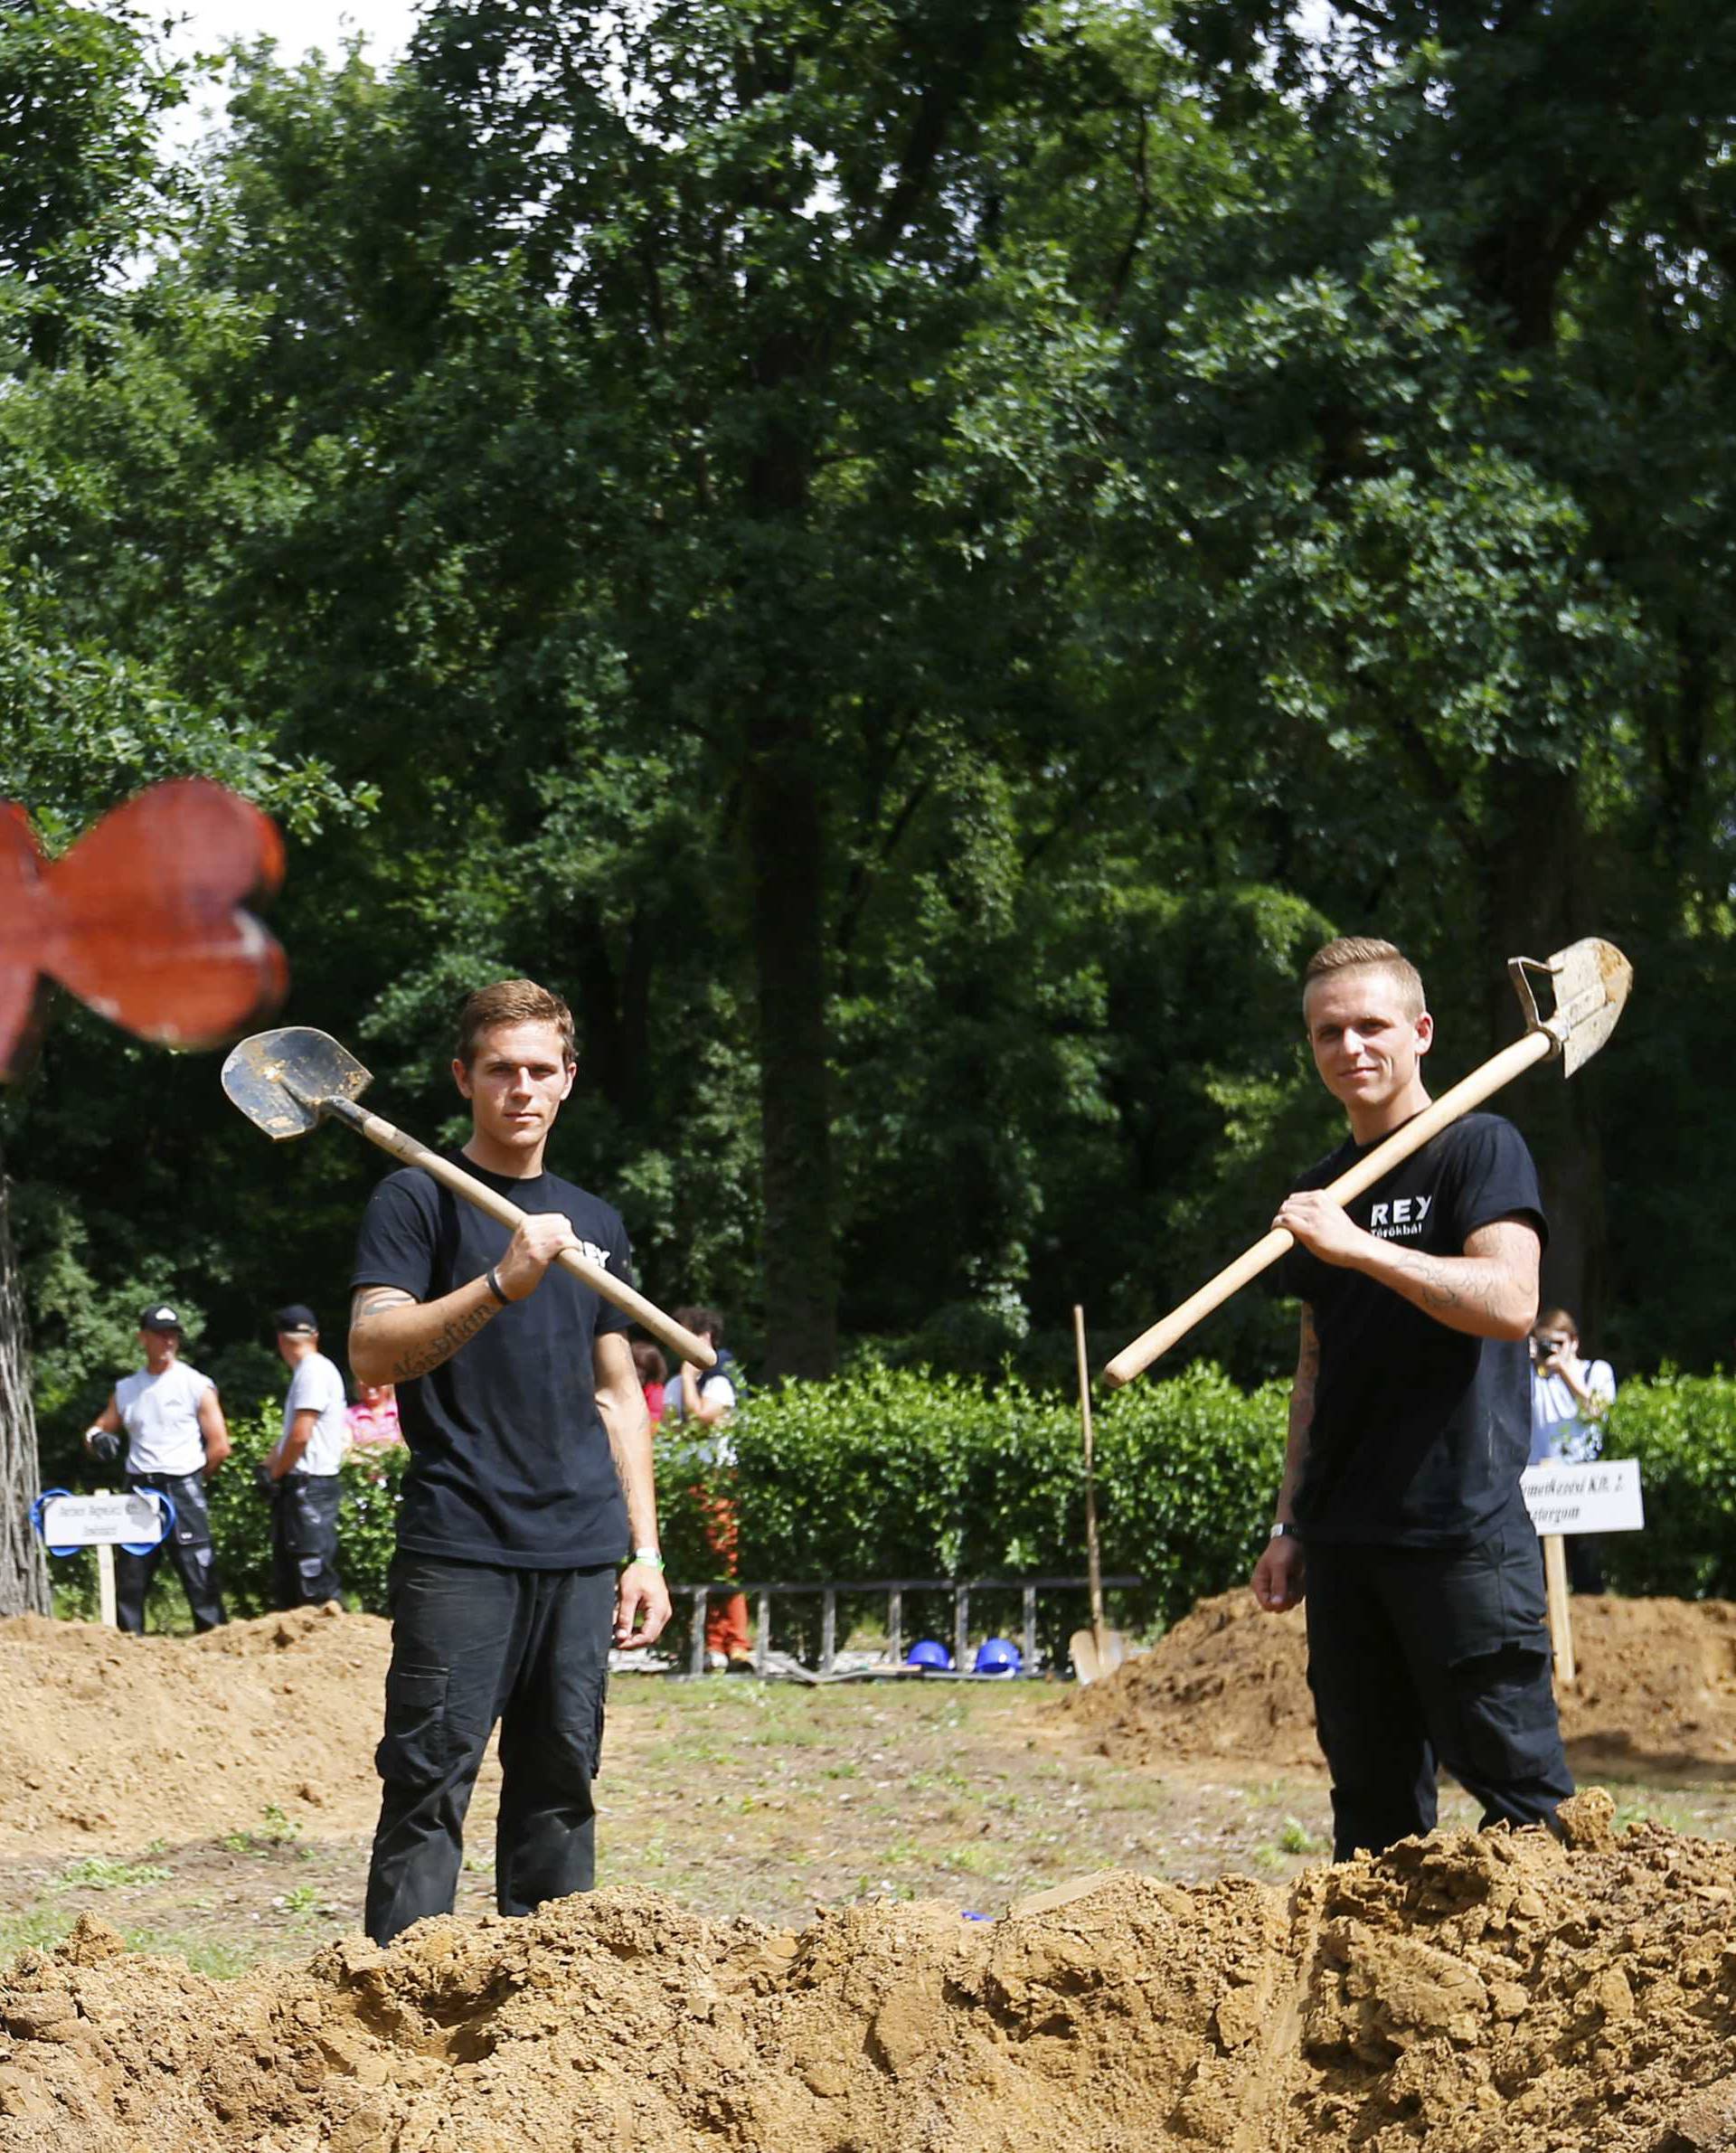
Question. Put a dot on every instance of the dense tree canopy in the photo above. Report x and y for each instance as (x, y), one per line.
(913, 559)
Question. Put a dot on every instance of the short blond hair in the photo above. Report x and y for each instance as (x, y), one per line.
(1366, 953)
(512, 1002)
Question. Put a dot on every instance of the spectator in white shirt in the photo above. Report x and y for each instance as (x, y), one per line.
(176, 1438)
(301, 1472)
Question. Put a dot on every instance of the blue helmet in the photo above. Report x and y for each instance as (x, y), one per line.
(998, 1655)
(926, 1653)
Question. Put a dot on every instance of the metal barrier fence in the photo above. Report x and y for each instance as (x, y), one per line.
(894, 1589)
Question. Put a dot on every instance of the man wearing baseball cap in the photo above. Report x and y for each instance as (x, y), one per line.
(301, 1473)
(176, 1438)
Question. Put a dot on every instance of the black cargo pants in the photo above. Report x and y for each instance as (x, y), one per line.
(188, 1547)
(1419, 1658)
(472, 1644)
(304, 1539)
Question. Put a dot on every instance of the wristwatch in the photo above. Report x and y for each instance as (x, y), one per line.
(1282, 1533)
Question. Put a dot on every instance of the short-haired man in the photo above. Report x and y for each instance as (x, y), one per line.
(530, 1477)
(1400, 1513)
(301, 1469)
(176, 1438)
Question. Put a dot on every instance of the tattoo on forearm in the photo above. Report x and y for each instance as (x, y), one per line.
(1307, 1375)
(374, 1300)
(1466, 1286)
(444, 1343)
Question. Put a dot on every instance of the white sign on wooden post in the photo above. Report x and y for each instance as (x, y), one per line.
(141, 1518)
(103, 1520)
(1602, 1497)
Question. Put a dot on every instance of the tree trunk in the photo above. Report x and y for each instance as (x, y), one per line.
(24, 1568)
(787, 849)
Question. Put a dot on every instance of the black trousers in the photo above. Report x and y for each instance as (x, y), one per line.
(1423, 1658)
(188, 1547)
(303, 1540)
(472, 1644)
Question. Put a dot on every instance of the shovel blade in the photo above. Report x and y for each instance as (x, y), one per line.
(1591, 991)
(1091, 1660)
(282, 1080)
(1592, 980)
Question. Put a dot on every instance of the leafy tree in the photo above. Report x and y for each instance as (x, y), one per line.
(78, 95)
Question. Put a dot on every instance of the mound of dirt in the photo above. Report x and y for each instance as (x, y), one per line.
(1656, 1689)
(105, 1738)
(1487, 1994)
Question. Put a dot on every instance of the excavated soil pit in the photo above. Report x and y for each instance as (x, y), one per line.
(1656, 1694)
(107, 1739)
(1467, 1994)
(1492, 1994)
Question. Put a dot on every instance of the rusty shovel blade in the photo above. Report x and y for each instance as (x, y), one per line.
(1590, 981)
(283, 1080)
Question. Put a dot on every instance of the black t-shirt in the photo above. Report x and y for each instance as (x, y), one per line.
(509, 1459)
(1419, 1434)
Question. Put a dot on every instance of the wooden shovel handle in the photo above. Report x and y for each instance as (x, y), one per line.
(1132, 1360)
(616, 1292)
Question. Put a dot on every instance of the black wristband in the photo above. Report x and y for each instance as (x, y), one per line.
(495, 1287)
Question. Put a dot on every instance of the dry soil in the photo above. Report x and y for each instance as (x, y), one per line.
(1496, 1992)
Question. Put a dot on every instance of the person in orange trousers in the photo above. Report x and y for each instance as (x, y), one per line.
(703, 1401)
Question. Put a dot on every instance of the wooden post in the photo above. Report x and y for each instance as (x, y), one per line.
(960, 1625)
(106, 1610)
(696, 1660)
(895, 1624)
(1030, 1597)
(1561, 1618)
(763, 1643)
(1093, 1560)
(828, 1630)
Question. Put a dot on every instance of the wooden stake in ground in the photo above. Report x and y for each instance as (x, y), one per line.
(1561, 1613)
(1098, 1650)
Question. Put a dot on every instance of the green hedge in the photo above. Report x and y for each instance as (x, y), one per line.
(892, 1473)
(1682, 1430)
(895, 1473)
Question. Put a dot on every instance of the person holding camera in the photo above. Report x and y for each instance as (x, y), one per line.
(1570, 1399)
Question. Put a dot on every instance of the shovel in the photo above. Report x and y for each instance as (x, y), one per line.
(286, 1083)
(1096, 1652)
(1590, 979)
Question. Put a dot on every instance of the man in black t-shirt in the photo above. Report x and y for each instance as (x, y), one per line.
(530, 1477)
(1400, 1514)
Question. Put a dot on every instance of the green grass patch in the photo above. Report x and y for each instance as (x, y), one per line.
(98, 1872)
(33, 1931)
(204, 1954)
(275, 1829)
